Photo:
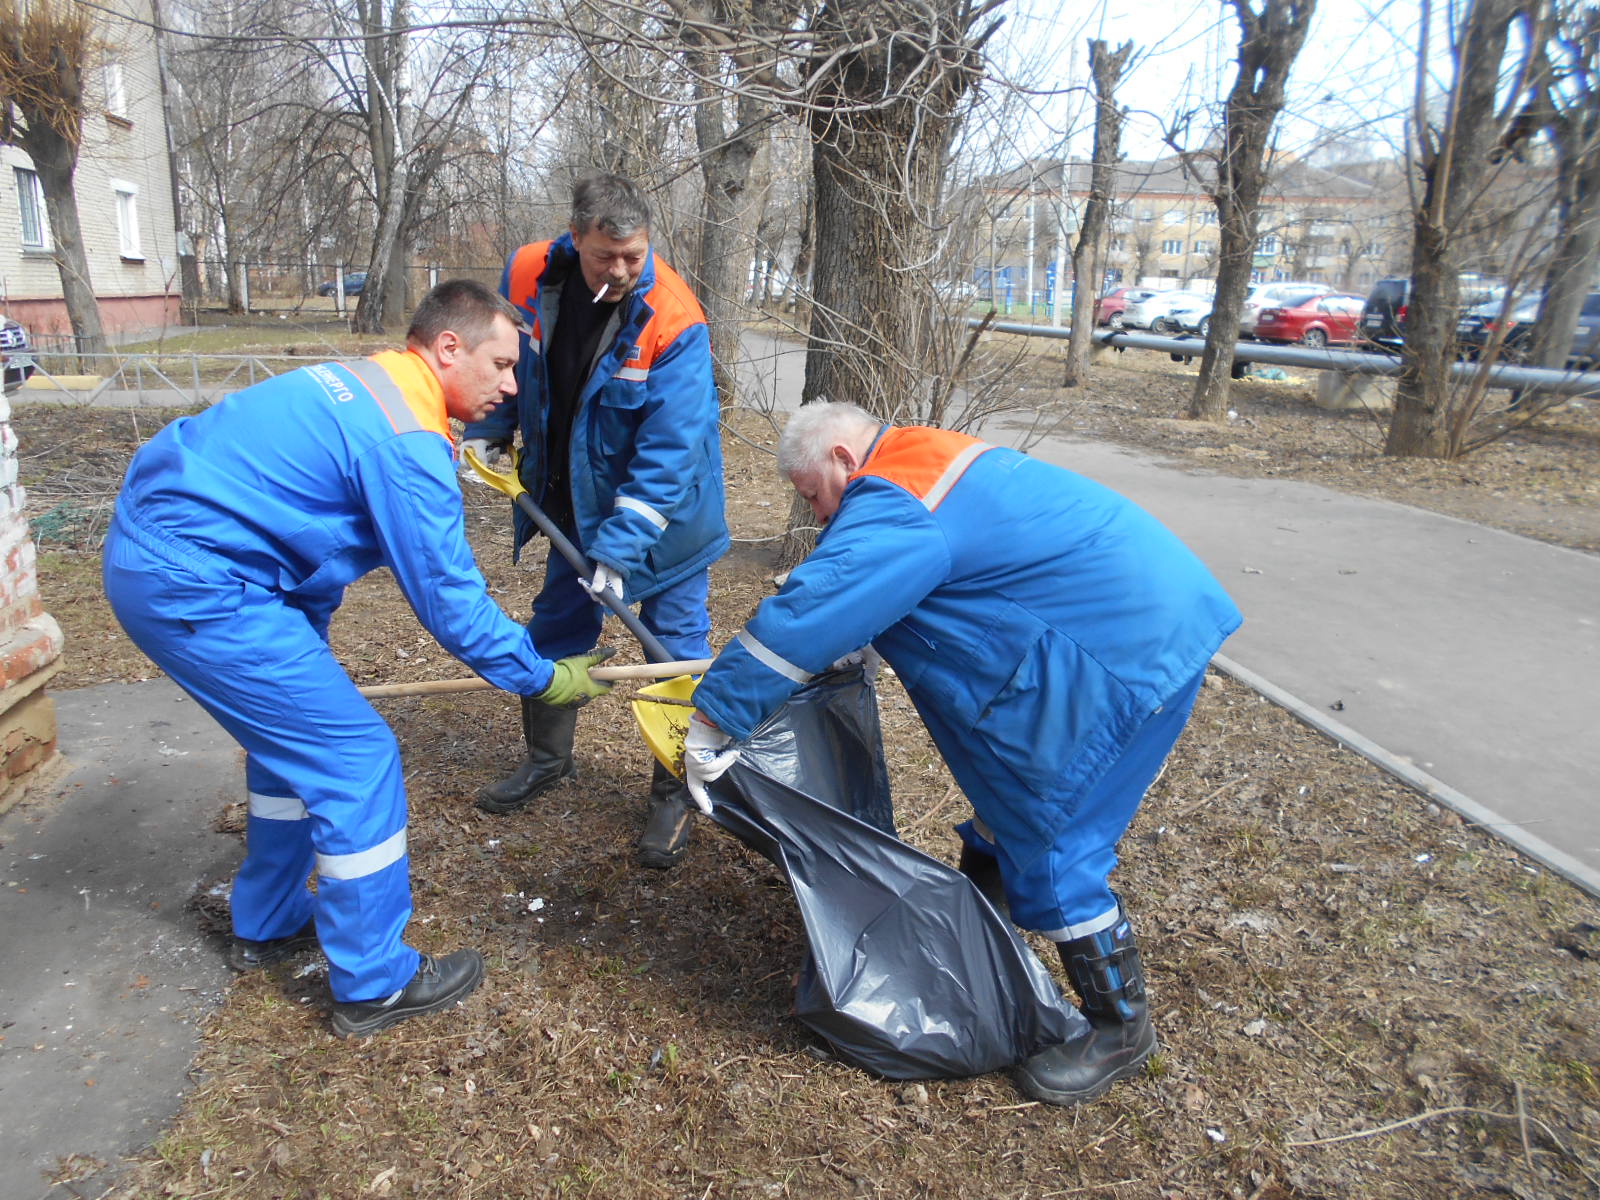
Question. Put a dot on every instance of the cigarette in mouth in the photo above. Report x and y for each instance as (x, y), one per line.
(600, 295)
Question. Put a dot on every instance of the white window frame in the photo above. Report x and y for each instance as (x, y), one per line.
(116, 91)
(1172, 246)
(31, 192)
(127, 205)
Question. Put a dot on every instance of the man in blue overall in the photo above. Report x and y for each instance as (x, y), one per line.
(618, 417)
(235, 534)
(1052, 636)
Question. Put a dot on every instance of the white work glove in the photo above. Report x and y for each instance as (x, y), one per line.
(868, 659)
(485, 449)
(605, 580)
(706, 756)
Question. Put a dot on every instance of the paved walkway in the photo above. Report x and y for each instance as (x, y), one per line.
(1465, 658)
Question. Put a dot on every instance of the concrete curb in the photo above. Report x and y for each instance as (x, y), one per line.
(1475, 813)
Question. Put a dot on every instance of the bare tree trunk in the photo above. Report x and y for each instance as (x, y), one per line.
(386, 88)
(56, 162)
(1269, 42)
(1089, 253)
(1454, 168)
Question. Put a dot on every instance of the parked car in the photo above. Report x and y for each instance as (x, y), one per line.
(1481, 323)
(1110, 307)
(1163, 312)
(1383, 317)
(16, 355)
(1585, 352)
(1319, 321)
(353, 283)
(1284, 294)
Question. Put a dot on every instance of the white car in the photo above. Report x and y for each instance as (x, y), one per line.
(1276, 295)
(1164, 312)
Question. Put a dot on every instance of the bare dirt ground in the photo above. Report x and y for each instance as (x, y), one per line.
(1357, 995)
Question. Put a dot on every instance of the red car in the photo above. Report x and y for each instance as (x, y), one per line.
(1109, 311)
(1317, 322)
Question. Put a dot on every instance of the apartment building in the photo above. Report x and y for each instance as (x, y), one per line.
(124, 191)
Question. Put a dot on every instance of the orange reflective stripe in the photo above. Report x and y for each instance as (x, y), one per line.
(925, 462)
(419, 387)
(523, 282)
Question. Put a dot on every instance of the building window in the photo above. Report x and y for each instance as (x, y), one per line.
(1207, 217)
(1202, 247)
(1173, 216)
(127, 196)
(1172, 246)
(1375, 249)
(1118, 245)
(30, 205)
(116, 92)
(1268, 244)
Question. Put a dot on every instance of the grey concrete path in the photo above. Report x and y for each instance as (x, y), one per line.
(106, 975)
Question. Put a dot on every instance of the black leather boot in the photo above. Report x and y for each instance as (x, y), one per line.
(548, 732)
(669, 823)
(1105, 971)
(438, 984)
(984, 871)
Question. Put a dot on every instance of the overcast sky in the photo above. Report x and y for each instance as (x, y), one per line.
(1353, 76)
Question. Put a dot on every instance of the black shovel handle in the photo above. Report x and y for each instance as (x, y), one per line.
(653, 648)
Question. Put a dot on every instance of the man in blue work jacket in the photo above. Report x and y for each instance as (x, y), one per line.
(617, 413)
(1052, 636)
(235, 534)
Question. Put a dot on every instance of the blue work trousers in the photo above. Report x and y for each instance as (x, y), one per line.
(1063, 893)
(323, 769)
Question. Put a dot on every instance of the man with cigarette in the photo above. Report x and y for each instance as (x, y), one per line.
(617, 413)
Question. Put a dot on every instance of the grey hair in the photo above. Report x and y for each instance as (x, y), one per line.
(611, 203)
(815, 429)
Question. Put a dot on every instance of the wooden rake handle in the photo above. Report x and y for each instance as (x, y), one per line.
(434, 687)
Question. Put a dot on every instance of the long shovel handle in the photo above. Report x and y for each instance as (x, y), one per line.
(472, 683)
(512, 486)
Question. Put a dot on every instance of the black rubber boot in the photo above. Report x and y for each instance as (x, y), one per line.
(1105, 971)
(984, 871)
(548, 731)
(438, 983)
(669, 822)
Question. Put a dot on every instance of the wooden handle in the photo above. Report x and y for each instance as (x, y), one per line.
(434, 687)
(660, 670)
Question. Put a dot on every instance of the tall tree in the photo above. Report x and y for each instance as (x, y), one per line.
(1106, 67)
(45, 47)
(1456, 153)
(1270, 39)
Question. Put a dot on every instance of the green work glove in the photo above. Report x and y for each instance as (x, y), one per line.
(570, 686)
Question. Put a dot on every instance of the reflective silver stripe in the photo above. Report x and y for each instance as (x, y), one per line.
(277, 808)
(643, 509)
(639, 373)
(390, 396)
(1073, 932)
(363, 862)
(767, 658)
(952, 473)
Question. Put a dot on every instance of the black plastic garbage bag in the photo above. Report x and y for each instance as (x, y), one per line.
(912, 974)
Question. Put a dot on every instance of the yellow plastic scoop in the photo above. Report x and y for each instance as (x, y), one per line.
(665, 724)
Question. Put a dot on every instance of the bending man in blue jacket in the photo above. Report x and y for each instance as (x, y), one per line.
(1052, 636)
(618, 417)
(235, 534)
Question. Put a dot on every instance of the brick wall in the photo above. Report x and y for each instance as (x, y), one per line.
(30, 640)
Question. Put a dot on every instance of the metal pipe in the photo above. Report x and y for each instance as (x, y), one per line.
(1347, 362)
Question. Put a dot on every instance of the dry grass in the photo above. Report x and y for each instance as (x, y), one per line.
(1357, 995)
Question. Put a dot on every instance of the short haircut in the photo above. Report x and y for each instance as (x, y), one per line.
(815, 429)
(464, 306)
(612, 203)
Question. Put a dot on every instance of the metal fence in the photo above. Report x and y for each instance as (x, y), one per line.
(155, 380)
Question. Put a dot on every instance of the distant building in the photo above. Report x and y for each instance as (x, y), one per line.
(1340, 226)
(124, 190)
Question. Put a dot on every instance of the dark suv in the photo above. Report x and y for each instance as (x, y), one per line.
(1383, 317)
(16, 356)
(1585, 352)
